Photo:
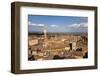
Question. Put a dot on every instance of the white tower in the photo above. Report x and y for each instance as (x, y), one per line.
(45, 36)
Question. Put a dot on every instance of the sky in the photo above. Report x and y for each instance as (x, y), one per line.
(36, 23)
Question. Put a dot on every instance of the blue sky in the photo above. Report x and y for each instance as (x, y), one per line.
(57, 23)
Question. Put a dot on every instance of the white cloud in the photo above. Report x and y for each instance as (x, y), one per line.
(53, 25)
(40, 25)
(33, 24)
(85, 24)
(80, 25)
(29, 23)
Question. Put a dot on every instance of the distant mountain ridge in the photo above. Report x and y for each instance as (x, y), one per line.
(59, 33)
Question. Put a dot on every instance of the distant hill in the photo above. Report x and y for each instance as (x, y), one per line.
(59, 33)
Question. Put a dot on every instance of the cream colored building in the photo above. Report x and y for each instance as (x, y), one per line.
(33, 42)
